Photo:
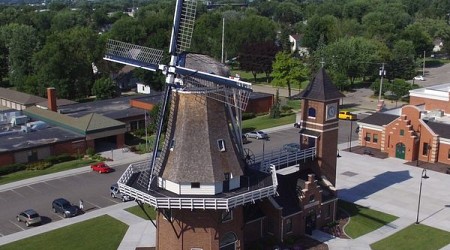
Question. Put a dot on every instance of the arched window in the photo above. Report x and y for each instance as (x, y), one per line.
(312, 112)
(228, 241)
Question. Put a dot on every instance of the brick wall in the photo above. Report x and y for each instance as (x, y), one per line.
(198, 229)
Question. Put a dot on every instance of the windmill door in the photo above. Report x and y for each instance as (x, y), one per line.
(400, 150)
(226, 183)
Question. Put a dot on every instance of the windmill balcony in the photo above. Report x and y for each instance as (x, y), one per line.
(255, 185)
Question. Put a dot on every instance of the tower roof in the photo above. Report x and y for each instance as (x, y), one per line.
(321, 88)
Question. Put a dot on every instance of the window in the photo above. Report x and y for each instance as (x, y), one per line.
(402, 132)
(288, 225)
(448, 154)
(312, 112)
(195, 184)
(375, 138)
(227, 216)
(311, 198)
(368, 137)
(221, 145)
(425, 148)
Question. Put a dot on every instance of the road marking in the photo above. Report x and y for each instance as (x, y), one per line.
(18, 193)
(93, 204)
(17, 225)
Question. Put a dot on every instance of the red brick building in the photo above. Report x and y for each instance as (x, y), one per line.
(418, 131)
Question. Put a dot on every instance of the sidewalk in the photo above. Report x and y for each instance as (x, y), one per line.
(390, 186)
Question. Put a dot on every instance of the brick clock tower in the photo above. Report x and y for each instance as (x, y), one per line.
(319, 123)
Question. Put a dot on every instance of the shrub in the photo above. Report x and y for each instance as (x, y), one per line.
(12, 168)
(286, 109)
(246, 116)
(38, 165)
(90, 151)
(60, 158)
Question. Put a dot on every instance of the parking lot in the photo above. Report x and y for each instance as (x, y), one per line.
(91, 187)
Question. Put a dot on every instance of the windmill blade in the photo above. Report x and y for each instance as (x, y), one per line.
(183, 26)
(133, 55)
(186, 25)
(221, 80)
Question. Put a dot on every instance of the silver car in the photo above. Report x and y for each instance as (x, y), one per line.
(30, 217)
(257, 135)
(115, 193)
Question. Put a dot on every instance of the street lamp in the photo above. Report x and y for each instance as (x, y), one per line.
(423, 176)
(382, 74)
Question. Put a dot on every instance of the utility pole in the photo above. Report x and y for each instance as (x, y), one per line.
(223, 37)
(423, 69)
(382, 74)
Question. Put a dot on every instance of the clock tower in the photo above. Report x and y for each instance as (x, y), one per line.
(319, 123)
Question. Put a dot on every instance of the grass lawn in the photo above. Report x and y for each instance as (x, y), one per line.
(103, 232)
(25, 174)
(415, 237)
(149, 211)
(363, 220)
(264, 121)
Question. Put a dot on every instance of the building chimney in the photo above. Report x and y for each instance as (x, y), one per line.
(51, 96)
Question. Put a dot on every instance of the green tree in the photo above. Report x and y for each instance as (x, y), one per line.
(320, 26)
(21, 41)
(258, 58)
(104, 88)
(420, 39)
(355, 56)
(399, 89)
(288, 70)
(65, 62)
(402, 64)
(275, 110)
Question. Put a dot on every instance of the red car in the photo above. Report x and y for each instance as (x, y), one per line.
(101, 168)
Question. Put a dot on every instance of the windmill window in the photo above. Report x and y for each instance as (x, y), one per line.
(221, 145)
(227, 216)
(195, 184)
(312, 113)
(172, 144)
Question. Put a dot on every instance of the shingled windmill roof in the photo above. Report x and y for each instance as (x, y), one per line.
(321, 88)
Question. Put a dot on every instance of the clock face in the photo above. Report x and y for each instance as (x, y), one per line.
(331, 111)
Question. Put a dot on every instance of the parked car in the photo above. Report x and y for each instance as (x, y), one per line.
(257, 135)
(419, 78)
(347, 115)
(30, 217)
(115, 193)
(101, 168)
(65, 208)
(291, 147)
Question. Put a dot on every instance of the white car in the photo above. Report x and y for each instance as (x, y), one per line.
(419, 78)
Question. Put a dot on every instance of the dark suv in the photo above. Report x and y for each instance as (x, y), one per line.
(65, 208)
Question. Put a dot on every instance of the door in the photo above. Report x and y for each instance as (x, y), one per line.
(310, 223)
(226, 183)
(400, 150)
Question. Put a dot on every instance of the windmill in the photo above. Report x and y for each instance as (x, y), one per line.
(201, 172)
